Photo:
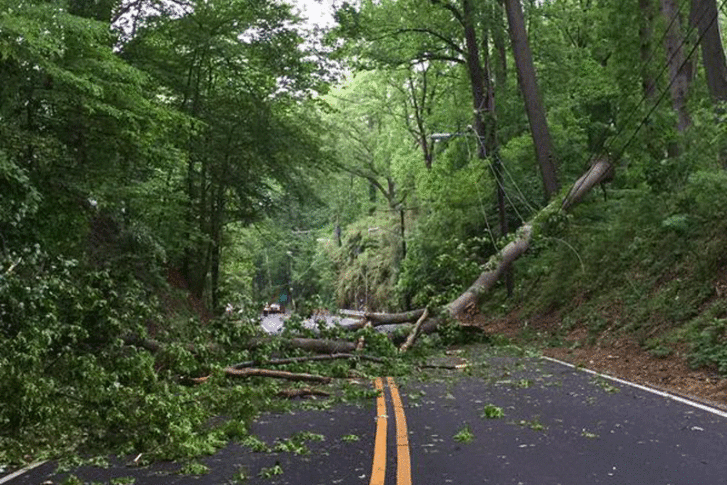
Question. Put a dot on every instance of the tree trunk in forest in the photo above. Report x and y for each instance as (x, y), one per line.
(704, 17)
(533, 103)
(646, 34)
(492, 148)
(477, 78)
(498, 38)
(679, 70)
(648, 11)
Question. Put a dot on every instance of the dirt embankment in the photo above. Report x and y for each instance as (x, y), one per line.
(621, 356)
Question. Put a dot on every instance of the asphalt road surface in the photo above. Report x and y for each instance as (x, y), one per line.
(508, 420)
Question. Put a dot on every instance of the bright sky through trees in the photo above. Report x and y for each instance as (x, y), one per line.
(316, 13)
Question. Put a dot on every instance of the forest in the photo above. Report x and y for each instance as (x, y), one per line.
(169, 167)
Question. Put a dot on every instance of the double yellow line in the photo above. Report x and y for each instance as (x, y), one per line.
(403, 461)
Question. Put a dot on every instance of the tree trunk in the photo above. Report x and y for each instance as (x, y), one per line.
(302, 392)
(646, 34)
(414, 332)
(477, 78)
(495, 267)
(276, 374)
(312, 358)
(320, 346)
(704, 17)
(679, 71)
(498, 38)
(533, 103)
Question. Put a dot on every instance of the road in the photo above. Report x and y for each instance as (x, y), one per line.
(549, 424)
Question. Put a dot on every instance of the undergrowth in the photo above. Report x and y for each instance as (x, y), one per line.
(643, 263)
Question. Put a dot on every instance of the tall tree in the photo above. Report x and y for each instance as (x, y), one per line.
(704, 17)
(533, 103)
(680, 71)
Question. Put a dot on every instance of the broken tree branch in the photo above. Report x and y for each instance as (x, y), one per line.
(378, 319)
(275, 374)
(302, 392)
(414, 332)
(295, 360)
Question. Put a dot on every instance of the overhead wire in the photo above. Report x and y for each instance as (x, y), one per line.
(661, 96)
(645, 96)
(644, 64)
(671, 82)
(481, 203)
(501, 184)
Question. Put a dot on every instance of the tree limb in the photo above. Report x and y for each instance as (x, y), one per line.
(414, 332)
(275, 374)
(302, 392)
(319, 346)
(295, 360)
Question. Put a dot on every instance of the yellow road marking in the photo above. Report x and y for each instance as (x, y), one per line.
(403, 461)
(378, 470)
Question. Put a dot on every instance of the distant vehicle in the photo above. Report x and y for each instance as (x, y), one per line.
(273, 308)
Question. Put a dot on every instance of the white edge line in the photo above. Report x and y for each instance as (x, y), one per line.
(680, 399)
(16, 474)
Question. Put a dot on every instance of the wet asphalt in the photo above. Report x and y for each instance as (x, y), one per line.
(556, 425)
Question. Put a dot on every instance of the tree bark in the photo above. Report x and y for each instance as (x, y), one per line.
(679, 71)
(414, 332)
(533, 103)
(477, 77)
(302, 392)
(600, 171)
(377, 319)
(297, 360)
(276, 374)
(703, 16)
(495, 267)
(319, 346)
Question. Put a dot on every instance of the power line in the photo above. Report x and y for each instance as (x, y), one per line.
(645, 119)
(686, 59)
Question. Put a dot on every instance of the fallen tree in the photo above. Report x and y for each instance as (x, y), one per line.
(320, 346)
(599, 171)
(277, 374)
(302, 392)
(315, 345)
(296, 360)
